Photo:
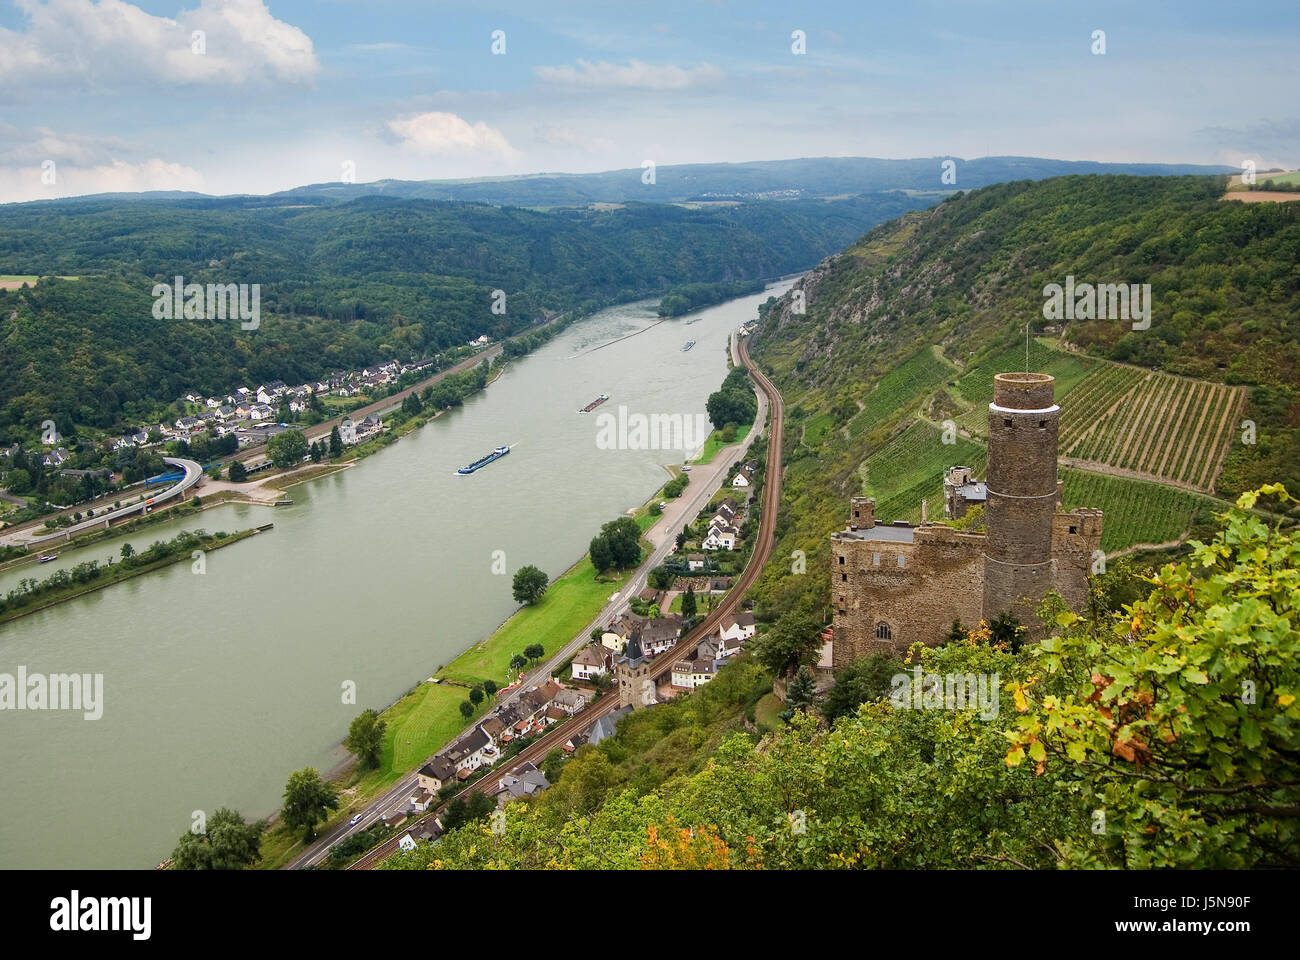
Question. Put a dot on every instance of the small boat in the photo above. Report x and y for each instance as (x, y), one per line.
(481, 462)
(687, 345)
(46, 558)
(595, 403)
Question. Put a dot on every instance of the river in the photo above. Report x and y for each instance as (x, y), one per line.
(217, 686)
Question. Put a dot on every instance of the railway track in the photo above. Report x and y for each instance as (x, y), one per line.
(536, 752)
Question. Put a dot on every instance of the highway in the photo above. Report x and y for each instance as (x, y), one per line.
(193, 473)
(662, 664)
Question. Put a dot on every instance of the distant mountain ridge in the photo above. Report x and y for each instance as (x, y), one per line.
(805, 178)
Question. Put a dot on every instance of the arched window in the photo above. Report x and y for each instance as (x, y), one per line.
(883, 632)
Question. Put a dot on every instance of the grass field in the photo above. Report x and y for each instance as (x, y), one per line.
(716, 443)
(570, 602)
(816, 430)
(1136, 511)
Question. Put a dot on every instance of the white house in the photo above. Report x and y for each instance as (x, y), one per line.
(260, 411)
(720, 538)
(347, 431)
(407, 843)
(739, 628)
(591, 661)
(681, 676)
(695, 561)
(743, 478)
(570, 701)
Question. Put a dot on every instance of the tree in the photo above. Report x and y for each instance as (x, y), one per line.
(792, 640)
(534, 651)
(317, 452)
(476, 695)
(518, 662)
(661, 578)
(490, 687)
(865, 679)
(688, 602)
(1005, 628)
(655, 509)
(366, 738)
(127, 551)
(530, 584)
(601, 556)
(307, 801)
(287, 449)
(238, 472)
(336, 443)
(618, 545)
(799, 693)
(227, 843)
(466, 709)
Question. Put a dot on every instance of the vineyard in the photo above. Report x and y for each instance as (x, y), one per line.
(901, 389)
(1136, 511)
(910, 468)
(976, 385)
(1168, 428)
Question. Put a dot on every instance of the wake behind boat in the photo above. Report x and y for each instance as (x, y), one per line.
(481, 462)
(687, 345)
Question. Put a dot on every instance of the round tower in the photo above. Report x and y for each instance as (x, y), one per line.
(1024, 422)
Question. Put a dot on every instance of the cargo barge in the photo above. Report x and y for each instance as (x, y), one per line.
(595, 403)
(482, 462)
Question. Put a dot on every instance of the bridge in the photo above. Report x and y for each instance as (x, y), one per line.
(191, 474)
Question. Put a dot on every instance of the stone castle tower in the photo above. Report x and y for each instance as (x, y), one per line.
(894, 583)
(1024, 423)
(635, 687)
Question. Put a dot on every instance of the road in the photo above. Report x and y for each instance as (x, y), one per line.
(663, 663)
(193, 473)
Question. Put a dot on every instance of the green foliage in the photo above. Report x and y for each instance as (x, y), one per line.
(287, 449)
(734, 402)
(799, 694)
(694, 296)
(529, 584)
(689, 605)
(238, 472)
(307, 801)
(789, 643)
(865, 679)
(617, 546)
(365, 738)
(227, 843)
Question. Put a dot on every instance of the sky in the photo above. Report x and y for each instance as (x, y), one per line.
(254, 96)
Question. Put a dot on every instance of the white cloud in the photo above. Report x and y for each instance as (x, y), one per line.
(109, 44)
(636, 74)
(118, 176)
(560, 136)
(440, 134)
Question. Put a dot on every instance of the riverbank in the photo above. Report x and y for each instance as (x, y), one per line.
(120, 572)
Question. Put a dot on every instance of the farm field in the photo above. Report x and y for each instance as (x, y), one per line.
(910, 468)
(1136, 511)
(1169, 428)
(902, 389)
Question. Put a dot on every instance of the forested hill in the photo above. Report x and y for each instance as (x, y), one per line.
(344, 284)
(905, 329)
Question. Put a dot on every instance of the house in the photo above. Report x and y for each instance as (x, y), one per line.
(225, 411)
(554, 714)
(720, 538)
(702, 671)
(467, 753)
(421, 799)
(268, 392)
(650, 595)
(243, 393)
(436, 774)
(720, 585)
(369, 426)
(738, 628)
(406, 844)
(718, 648)
(187, 424)
(299, 405)
(260, 411)
(744, 477)
(606, 725)
(494, 728)
(620, 630)
(347, 431)
(569, 701)
(524, 782)
(695, 561)
(592, 660)
(681, 676)
(57, 457)
(659, 634)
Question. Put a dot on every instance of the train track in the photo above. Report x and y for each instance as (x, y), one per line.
(536, 752)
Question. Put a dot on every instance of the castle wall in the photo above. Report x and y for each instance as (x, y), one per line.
(1076, 542)
(940, 580)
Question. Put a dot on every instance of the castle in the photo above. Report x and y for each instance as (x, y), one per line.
(895, 584)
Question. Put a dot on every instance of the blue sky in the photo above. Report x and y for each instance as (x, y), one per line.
(285, 93)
